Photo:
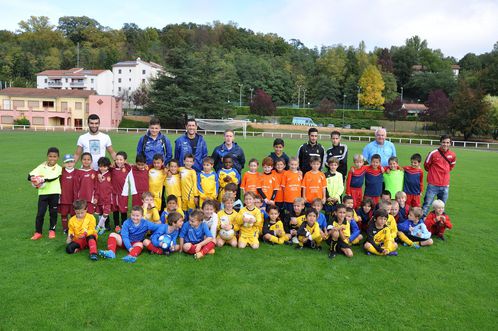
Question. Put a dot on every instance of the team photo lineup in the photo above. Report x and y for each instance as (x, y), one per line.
(184, 200)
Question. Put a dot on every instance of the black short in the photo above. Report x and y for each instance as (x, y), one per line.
(413, 238)
(337, 246)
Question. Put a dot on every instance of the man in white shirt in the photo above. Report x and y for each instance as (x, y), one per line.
(94, 142)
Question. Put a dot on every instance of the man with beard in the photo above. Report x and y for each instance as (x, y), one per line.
(191, 143)
(94, 142)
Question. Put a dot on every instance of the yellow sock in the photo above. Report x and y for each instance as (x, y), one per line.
(404, 238)
(372, 250)
(356, 241)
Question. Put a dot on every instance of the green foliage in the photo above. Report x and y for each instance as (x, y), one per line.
(128, 123)
(338, 122)
(307, 112)
(22, 121)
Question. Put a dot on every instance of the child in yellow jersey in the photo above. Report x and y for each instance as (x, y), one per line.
(157, 175)
(173, 183)
(339, 233)
(273, 228)
(188, 179)
(226, 175)
(249, 221)
(81, 232)
(379, 240)
(308, 233)
(227, 225)
(171, 207)
(207, 181)
(150, 211)
(391, 223)
(294, 219)
(348, 201)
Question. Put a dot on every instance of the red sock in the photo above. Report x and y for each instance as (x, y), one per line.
(154, 249)
(64, 222)
(135, 251)
(206, 248)
(92, 245)
(112, 244)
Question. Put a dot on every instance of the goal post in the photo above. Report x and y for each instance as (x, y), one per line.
(222, 125)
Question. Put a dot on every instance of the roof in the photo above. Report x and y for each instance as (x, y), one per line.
(455, 66)
(45, 93)
(136, 62)
(72, 72)
(414, 106)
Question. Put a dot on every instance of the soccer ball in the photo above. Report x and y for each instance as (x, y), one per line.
(226, 234)
(167, 243)
(37, 182)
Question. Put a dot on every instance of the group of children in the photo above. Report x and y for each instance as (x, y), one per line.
(202, 210)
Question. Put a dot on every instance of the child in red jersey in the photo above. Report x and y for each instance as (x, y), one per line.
(355, 180)
(413, 184)
(119, 174)
(374, 179)
(103, 194)
(437, 221)
(137, 182)
(85, 182)
(67, 190)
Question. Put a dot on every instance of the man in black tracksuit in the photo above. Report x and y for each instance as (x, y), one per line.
(310, 149)
(340, 152)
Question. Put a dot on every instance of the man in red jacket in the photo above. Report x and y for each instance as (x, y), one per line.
(438, 165)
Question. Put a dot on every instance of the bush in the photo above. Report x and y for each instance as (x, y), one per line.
(127, 123)
(22, 121)
(307, 112)
(355, 123)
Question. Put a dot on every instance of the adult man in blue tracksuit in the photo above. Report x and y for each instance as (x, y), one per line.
(191, 143)
(229, 148)
(154, 142)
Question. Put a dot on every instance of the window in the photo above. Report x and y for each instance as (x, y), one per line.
(143, 80)
(46, 80)
(18, 103)
(67, 80)
(129, 79)
(119, 71)
(91, 88)
(119, 89)
(129, 88)
(64, 106)
(91, 80)
(129, 70)
(33, 104)
(143, 72)
(78, 105)
(48, 104)
(119, 80)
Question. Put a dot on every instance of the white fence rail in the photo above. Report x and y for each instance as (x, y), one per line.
(287, 135)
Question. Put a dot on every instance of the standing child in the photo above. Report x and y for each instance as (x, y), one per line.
(379, 240)
(103, 193)
(273, 228)
(335, 185)
(268, 184)
(195, 237)
(355, 180)
(308, 233)
(119, 175)
(437, 221)
(393, 177)
(291, 184)
(82, 233)
(207, 181)
(415, 229)
(163, 240)
(149, 210)
(137, 181)
(250, 180)
(314, 182)
(173, 185)
(67, 190)
(278, 153)
(45, 178)
(85, 182)
(188, 177)
(132, 234)
(227, 175)
(227, 225)
(157, 176)
(374, 179)
(171, 207)
(278, 173)
(250, 222)
(340, 233)
(413, 185)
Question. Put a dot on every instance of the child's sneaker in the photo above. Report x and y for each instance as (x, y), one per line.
(65, 231)
(332, 255)
(393, 254)
(107, 254)
(51, 234)
(117, 229)
(100, 230)
(405, 244)
(441, 237)
(36, 236)
(295, 240)
(93, 257)
(416, 246)
(299, 247)
(129, 259)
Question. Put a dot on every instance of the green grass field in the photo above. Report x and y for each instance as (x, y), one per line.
(451, 285)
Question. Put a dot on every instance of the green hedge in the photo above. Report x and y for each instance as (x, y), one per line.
(307, 112)
(355, 123)
(127, 123)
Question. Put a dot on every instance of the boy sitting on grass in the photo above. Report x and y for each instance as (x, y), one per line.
(81, 231)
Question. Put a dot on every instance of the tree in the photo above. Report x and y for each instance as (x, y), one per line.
(393, 111)
(326, 107)
(439, 105)
(385, 61)
(391, 88)
(140, 97)
(372, 86)
(470, 112)
(262, 104)
(75, 27)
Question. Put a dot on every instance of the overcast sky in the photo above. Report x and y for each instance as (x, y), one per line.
(457, 27)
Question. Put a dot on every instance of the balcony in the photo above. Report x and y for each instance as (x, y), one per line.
(55, 83)
(78, 83)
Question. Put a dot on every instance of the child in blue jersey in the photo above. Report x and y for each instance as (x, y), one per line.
(374, 179)
(365, 213)
(322, 219)
(355, 236)
(207, 181)
(195, 237)
(132, 234)
(171, 207)
(163, 240)
(415, 229)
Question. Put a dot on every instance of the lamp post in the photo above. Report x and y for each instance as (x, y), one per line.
(343, 106)
(298, 95)
(304, 98)
(240, 95)
(251, 89)
(401, 94)
(358, 98)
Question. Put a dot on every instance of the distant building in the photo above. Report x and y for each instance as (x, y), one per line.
(456, 69)
(58, 107)
(129, 75)
(418, 68)
(99, 81)
(414, 108)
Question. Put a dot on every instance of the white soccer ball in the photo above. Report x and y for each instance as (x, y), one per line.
(227, 234)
